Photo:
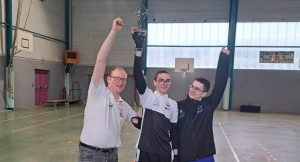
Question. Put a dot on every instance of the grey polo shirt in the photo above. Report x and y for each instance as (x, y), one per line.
(103, 117)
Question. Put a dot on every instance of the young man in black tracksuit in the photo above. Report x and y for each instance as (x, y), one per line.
(195, 115)
(160, 113)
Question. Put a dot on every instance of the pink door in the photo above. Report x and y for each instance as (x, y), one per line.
(37, 87)
(41, 86)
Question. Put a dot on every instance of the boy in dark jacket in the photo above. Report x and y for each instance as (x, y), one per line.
(195, 115)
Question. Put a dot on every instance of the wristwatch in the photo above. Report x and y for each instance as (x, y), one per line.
(139, 49)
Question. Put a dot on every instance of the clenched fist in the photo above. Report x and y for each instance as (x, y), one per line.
(138, 39)
(117, 24)
(224, 50)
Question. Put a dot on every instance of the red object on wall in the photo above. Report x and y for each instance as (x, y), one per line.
(71, 57)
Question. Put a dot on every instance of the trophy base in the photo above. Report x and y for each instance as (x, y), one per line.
(139, 30)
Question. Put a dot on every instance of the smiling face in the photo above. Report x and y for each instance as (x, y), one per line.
(197, 91)
(162, 82)
(117, 80)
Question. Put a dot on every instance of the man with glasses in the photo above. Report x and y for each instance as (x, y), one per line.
(105, 111)
(159, 112)
(195, 115)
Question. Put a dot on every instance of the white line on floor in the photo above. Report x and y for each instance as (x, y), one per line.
(234, 154)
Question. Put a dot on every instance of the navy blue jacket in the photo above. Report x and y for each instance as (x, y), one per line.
(195, 118)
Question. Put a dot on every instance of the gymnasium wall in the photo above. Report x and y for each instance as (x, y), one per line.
(46, 20)
(178, 11)
(24, 76)
(82, 74)
(91, 23)
(275, 90)
(2, 82)
(2, 57)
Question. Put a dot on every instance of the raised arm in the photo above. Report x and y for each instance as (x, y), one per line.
(139, 79)
(100, 65)
(221, 77)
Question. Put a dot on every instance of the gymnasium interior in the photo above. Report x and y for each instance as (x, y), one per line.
(48, 50)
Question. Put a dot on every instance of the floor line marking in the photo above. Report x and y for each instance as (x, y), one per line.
(37, 114)
(236, 158)
(260, 124)
(45, 123)
(296, 122)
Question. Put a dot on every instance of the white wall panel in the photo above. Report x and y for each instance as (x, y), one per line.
(2, 28)
(46, 18)
(50, 50)
(91, 23)
(269, 11)
(188, 11)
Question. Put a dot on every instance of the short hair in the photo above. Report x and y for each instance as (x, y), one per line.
(160, 72)
(114, 68)
(205, 82)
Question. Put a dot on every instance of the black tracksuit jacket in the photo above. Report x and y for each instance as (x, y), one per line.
(195, 118)
(154, 137)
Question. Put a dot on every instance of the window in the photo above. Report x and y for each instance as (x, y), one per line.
(203, 41)
(167, 41)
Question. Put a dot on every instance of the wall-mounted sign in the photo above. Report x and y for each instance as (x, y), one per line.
(276, 57)
(25, 41)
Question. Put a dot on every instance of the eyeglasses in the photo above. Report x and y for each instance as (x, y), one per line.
(161, 81)
(117, 79)
(197, 89)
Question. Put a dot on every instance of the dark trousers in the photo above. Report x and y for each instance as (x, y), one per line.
(87, 154)
(150, 157)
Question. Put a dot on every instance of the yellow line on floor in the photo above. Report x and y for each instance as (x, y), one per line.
(37, 114)
(3, 111)
(46, 123)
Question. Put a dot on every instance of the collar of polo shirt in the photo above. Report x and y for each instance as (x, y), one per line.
(156, 94)
(119, 99)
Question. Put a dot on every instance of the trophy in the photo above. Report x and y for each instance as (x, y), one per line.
(140, 16)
